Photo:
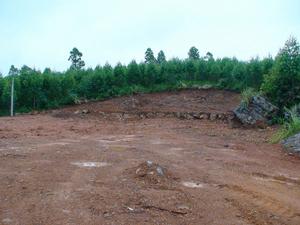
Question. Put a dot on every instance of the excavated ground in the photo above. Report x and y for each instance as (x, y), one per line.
(74, 167)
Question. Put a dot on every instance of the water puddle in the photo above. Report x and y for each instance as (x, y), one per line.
(192, 184)
(90, 164)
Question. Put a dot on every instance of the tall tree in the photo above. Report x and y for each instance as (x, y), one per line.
(193, 53)
(209, 56)
(282, 84)
(13, 71)
(149, 56)
(119, 75)
(75, 58)
(161, 58)
(133, 73)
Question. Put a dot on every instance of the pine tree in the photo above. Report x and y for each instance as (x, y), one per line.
(193, 53)
(161, 58)
(75, 58)
(149, 56)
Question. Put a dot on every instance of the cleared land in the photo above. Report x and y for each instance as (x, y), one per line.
(69, 167)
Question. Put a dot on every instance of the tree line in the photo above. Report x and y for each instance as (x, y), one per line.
(278, 78)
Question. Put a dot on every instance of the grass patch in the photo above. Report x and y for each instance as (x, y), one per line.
(290, 127)
(247, 94)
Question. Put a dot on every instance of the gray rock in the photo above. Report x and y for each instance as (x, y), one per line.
(85, 111)
(292, 144)
(149, 163)
(160, 171)
(259, 112)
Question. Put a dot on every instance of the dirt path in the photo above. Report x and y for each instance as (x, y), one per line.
(94, 171)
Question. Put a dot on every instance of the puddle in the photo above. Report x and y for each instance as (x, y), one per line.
(192, 184)
(90, 164)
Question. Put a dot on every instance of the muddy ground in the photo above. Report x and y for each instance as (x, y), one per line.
(84, 169)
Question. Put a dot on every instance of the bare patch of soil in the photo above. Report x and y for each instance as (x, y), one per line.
(163, 170)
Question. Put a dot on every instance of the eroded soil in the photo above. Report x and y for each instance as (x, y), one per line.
(89, 170)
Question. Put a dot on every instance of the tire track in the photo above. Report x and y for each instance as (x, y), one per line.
(267, 206)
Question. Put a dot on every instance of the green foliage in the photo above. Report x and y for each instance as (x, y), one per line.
(248, 94)
(149, 56)
(75, 58)
(50, 89)
(290, 127)
(133, 73)
(193, 53)
(282, 83)
(209, 56)
(161, 58)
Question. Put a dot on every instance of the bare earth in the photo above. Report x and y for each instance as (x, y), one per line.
(62, 168)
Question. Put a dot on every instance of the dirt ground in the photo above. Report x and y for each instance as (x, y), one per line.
(89, 170)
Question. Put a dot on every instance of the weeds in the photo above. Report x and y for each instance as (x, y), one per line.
(290, 127)
(248, 94)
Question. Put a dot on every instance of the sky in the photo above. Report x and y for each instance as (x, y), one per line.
(41, 33)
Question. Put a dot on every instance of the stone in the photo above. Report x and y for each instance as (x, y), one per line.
(292, 144)
(213, 116)
(259, 112)
(85, 111)
(202, 116)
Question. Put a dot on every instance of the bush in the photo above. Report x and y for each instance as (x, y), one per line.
(290, 127)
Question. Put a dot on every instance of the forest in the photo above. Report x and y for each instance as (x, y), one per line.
(276, 78)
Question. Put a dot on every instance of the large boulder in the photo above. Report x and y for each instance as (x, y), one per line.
(258, 112)
(292, 144)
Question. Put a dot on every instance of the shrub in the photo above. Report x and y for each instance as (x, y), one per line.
(290, 127)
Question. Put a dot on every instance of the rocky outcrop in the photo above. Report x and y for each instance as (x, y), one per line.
(292, 144)
(225, 117)
(259, 112)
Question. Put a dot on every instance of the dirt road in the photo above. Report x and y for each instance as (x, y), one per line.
(91, 170)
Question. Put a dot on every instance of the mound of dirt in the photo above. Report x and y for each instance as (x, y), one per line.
(211, 100)
(153, 175)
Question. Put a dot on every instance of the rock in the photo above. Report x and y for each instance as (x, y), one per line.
(149, 163)
(150, 168)
(85, 111)
(213, 116)
(34, 112)
(196, 115)
(258, 112)
(202, 116)
(292, 144)
(160, 171)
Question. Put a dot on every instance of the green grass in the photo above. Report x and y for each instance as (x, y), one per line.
(289, 128)
(247, 94)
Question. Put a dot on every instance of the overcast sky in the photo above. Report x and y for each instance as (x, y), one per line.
(41, 33)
